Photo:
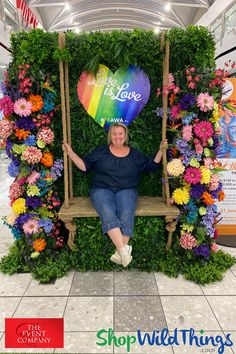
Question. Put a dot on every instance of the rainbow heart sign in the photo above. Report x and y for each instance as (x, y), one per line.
(111, 98)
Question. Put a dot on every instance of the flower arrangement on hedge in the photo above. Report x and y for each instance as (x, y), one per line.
(26, 130)
(193, 168)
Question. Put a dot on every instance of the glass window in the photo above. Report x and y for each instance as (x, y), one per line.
(230, 19)
(216, 28)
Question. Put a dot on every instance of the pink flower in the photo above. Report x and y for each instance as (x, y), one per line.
(197, 78)
(203, 130)
(158, 91)
(208, 162)
(22, 107)
(192, 85)
(170, 79)
(187, 132)
(32, 178)
(15, 191)
(199, 149)
(31, 226)
(6, 105)
(6, 128)
(32, 155)
(46, 135)
(192, 175)
(176, 89)
(214, 247)
(205, 102)
(187, 72)
(192, 69)
(175, 111)
(214, 182)
(189, 78)
(187, 241)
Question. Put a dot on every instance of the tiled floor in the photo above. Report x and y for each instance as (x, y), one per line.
(124, 301)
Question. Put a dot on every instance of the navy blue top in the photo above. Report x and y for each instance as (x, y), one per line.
(117, 173)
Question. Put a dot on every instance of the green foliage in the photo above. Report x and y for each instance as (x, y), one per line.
(14, 262)
(94, 250)
(191, 47)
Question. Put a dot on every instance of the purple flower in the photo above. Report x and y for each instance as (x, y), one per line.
(56, 169)
(25, 123)
(197, 190)
(13, 169)
(22, 219)
(8, 148)
(187, 101)
(46, 223)
(202, 250)
(33, 202)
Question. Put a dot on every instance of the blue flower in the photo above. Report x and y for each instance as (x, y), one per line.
(47, 224)
(30, 140)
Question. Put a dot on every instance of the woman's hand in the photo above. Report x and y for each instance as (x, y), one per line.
(164, 145)
(67, 148)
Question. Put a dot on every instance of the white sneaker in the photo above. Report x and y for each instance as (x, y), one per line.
(125, 256)
(116, 258)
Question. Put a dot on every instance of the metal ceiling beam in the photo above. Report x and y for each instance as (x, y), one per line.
(178, 18)
(48, 4)
(204, 2)
(79, 14)
(159, 2)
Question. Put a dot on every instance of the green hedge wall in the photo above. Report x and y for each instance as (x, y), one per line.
(193, 46)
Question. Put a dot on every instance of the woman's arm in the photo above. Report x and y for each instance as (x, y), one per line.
(162, 148)
(75, 158)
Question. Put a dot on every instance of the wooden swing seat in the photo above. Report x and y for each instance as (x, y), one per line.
(81, 207)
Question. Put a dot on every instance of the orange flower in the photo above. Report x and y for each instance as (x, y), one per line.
(207, 198)
(221, 196)
(39, 244)
(22, 134)
(172, 99)
(37, 102)
(47, 159)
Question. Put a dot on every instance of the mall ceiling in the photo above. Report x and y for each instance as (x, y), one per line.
(105, 15)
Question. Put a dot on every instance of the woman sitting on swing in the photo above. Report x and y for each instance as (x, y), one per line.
(114, 188)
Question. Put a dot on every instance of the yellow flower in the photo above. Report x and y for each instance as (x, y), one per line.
(215, 115)
(202, 211)
(32, 191)
(181, 196)
(187, 227)
(194, 162)
(206, 175)
(18, 206)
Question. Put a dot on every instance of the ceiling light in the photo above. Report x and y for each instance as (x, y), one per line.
(157, 30)
(167, 7)
(67, 6)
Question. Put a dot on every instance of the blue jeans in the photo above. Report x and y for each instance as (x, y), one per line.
(116, 209)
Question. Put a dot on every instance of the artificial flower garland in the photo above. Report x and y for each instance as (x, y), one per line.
(26, 132)
(193, 168)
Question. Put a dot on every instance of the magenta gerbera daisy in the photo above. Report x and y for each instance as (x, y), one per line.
(22, 107)
(203, 130)
(192, 175)
(205, 102)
